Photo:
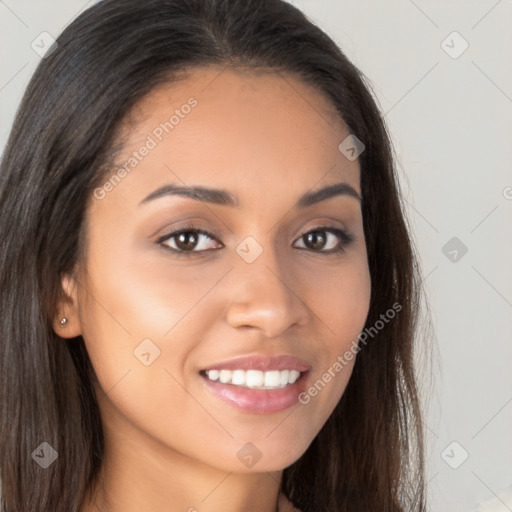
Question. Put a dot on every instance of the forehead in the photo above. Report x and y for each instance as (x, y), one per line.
(239, 90)
(238, 128)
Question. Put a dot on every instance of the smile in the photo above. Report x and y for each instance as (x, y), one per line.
(254, 379)
(260, 384)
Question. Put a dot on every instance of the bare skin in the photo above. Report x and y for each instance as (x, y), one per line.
(267, 139)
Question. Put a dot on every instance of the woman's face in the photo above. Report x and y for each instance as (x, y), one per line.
(196, 338)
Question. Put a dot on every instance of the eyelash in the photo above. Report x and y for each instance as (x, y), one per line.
(345, 237)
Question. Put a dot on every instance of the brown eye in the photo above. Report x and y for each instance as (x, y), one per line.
(186, 240)
(326, 240)
(189, 240)
(315, 240)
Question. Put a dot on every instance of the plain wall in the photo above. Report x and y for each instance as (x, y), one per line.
(450, 119)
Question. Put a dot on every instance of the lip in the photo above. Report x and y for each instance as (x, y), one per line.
(263, 363)
(259, 401)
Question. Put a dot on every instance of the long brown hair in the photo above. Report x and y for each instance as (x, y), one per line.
(369, 455)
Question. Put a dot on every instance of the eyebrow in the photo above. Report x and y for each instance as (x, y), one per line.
(224, 198)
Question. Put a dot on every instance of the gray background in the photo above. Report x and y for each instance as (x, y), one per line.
(450, 119)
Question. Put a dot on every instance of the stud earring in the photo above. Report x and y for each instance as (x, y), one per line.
(64, 322)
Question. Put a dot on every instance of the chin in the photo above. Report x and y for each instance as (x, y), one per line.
(260, 457)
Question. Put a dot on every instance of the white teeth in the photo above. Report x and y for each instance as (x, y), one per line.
(225, 376)
(294, 375)
(238, 377)
(213, 374)
(273, 379)
(253, 379)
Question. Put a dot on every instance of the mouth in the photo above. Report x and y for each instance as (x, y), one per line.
(258, 384)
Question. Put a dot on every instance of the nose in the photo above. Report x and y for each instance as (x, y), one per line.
(266, 297)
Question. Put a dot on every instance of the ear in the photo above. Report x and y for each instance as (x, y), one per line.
(67, 307)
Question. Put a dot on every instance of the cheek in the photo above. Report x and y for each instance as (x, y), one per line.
(140, 364)
(340, 297)
(140, 323)
(341, 300)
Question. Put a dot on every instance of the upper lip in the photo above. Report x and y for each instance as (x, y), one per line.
(263, 363)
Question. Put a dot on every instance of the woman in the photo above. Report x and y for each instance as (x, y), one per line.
(208, 289)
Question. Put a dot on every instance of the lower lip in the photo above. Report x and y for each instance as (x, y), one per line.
(260, 401)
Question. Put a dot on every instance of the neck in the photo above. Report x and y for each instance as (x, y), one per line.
(140, 474)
